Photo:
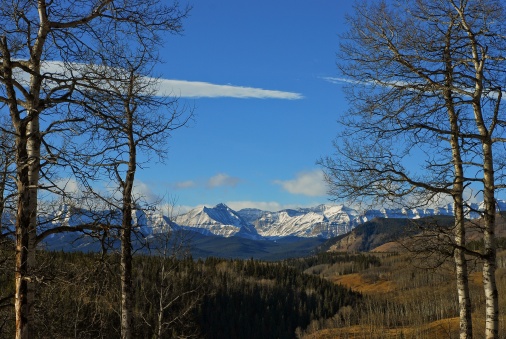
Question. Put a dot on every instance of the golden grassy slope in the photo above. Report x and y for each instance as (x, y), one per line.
(402, 301)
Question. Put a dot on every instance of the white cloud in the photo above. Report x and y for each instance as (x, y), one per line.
(261, 205)
(170, 210)
(143, 192)
(185, 184)
(271, 206)
(306, 183)
(222, 179)
(178, 88)
(335, 80)
(199, 89)
(69, 186)
(470, 196)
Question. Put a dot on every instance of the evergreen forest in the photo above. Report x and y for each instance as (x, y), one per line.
(79, 297)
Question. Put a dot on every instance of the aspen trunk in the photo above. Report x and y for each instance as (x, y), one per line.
(461, 270)
(28, 162)
(489, 266)
(126, 274)
(465, 324)
(126, 229)
(126, 256)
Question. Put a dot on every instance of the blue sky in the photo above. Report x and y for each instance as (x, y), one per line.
(255, 73)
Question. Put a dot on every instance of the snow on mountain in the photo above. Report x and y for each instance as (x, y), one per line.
(303, 223)
(323, 221)
(250, 214)
(220, 220)
(326, 221)
(151, 222)
(146, 221)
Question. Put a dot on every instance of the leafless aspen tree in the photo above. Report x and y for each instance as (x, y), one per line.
(425, 90)
(174, 296)
(40, 45)
(129, 125)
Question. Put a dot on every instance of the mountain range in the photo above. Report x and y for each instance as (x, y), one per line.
(323, 221)
(247, 233)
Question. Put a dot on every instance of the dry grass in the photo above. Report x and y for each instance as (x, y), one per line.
(391, 246)
(438, 329)
(357, 282)
(426, 299)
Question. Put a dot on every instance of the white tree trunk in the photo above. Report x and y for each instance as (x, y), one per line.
(489, 266)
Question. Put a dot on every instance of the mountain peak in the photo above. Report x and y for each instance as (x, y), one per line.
(221, 206)
(324, 221)
(218, 220)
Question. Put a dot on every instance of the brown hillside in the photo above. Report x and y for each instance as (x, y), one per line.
(387, 235)
(402, 300)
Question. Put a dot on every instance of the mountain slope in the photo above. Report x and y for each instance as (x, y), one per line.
(220, 220)
(379, 231)
(323, 221)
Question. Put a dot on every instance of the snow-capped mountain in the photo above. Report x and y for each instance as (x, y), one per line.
(323, 221)
(146, 221)
(220, 220)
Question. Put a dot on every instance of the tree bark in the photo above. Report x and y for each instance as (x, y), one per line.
(28, 156)
(461, 270)
(489, 265)
(126, 227)
(466, 329)
(479, 59)
(126, 273)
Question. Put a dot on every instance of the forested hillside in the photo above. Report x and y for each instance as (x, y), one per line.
(213, 298)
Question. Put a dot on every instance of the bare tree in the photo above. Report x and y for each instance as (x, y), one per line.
(425, 81)
(130, 125)
(174, 297)
(7, 196)
(7, 174)
(40, 45)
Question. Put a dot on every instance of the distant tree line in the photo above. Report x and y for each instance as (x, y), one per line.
(361, 261)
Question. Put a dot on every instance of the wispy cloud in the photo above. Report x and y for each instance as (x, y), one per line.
(335, 80)
(222, 179)
(143, 192)
(412, 86)
(200, 89)
(174, 88)
(216, 181)
(271, 206)
(69, 186)
(305, 183)
(185, 184)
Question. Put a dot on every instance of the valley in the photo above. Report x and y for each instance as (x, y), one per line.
(361, 284)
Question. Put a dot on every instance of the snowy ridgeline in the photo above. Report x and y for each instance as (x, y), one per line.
(323, 221)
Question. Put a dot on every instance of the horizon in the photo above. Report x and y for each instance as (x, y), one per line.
(448, 206)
